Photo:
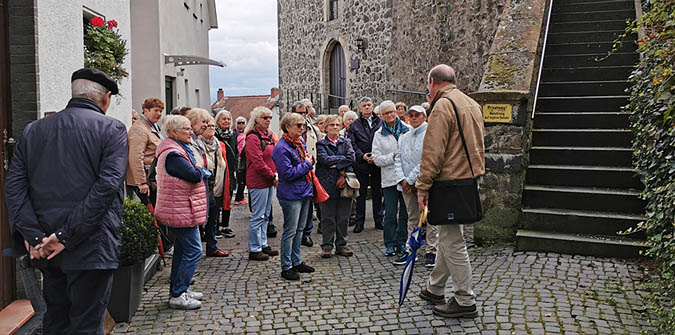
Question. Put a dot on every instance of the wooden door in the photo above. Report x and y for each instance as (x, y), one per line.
(338, 77)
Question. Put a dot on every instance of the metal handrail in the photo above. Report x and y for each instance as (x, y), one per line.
(541, 62)
(406, 91)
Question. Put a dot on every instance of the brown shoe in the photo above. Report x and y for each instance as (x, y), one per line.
(346, 251)
(326, 253)
(453, 310)
(217, 253)
(269, 252)
(432, 298)
(258, 256)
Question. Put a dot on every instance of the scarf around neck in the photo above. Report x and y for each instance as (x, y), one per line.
(396, 130)
(301, 151)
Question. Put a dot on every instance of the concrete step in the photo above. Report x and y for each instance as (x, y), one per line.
(590, 60)
(608, 103)
(580, 26)
(582, 137)
(589, 36)
(586, 120)
(582, 88)
(581, 222)
(591, 6)
(592, 156)
(581, 16)
(582, 48)
(581, 73)
(578, 244)
(583, 176)
(583, 198)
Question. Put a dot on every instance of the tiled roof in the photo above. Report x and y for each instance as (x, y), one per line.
(243, 105)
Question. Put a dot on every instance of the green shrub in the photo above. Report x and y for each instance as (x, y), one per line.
(652, 103)
(139, 234)
(104, 48)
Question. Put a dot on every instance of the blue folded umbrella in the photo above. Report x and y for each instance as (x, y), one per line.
(415, 242)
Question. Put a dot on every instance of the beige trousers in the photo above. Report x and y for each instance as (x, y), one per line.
(452, 259)
(410, 200)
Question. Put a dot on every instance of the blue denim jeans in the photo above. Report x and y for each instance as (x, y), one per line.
(295, 217)
(261, 205)
(309, 226)
(395, 230)
(187, 252)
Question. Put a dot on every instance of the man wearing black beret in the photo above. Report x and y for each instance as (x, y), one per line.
(64, 194)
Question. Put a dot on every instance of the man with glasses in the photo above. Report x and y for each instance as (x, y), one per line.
(310, 135)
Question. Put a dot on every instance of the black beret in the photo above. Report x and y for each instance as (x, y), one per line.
(97, 76)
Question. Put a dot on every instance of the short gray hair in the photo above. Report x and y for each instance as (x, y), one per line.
(87, 89)
(240, 118)
(306, 101)
(224, 112)
(365, 99)
(351, 114)
(442, 73)
(297, 105)
(386, 104)
(197, 114)
(289, 120)
(173, 122)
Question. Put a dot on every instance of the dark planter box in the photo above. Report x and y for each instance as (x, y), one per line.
(127, 289)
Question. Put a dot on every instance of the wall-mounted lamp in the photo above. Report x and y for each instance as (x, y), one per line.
(360, 44)
(180, 72)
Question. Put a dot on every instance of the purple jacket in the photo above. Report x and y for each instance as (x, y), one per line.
(291, 170)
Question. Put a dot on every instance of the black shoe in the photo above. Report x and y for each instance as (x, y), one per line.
(453, 310)
(379, 226)
(290, 274)
(307, 241)
(227, 232)
(352, 223)
(257, 256)
(358, 228)
(269, 252)
(430, 260)
(219, 234)
(303, 268)
(401, 259)
(271, 231)
(432, 298)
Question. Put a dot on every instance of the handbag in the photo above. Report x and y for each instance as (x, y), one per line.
(319, 194)
(455, 201)
(352, 185)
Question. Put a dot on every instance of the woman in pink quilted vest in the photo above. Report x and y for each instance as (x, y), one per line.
(181, 206)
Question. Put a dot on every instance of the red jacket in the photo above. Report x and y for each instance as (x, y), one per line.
(260, 168)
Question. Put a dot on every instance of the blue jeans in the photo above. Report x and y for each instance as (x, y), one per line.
(261, 205)
(307, 231)
(187, 252)
(295, 217)
(395, 231)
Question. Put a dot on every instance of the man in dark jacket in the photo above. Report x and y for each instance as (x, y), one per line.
(361, 133)
(64, 194)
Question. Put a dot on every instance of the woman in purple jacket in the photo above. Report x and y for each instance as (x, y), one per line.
(294, 192)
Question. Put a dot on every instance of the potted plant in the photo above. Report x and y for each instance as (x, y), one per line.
(139, 241)
(104, 48)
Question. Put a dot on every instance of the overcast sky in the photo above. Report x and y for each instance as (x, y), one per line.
(246, 41)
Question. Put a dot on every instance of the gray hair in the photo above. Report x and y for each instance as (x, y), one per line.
(386, 104)
(240, 118)
(289, 120)
(255, 114)
(376, 110)
(426, 106)
(351, 114)
(173, 122)
(305, 100)
(198, 114)
(365, 99)
(83, 88)
(221, 113)
(320, 118)
(297, 105)
(442, 73)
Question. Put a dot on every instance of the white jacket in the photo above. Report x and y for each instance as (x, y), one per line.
(384, 148)
(410, 154)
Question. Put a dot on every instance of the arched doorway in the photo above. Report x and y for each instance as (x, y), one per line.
(338, 77)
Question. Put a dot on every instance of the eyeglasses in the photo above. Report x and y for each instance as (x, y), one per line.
(186, 129)
(387, 113)
(241, 122)
(427, 92)
(266, 118)
(300, 125)
(302, 113)
(212, 126)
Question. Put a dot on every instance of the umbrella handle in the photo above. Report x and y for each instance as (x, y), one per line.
(423, 216)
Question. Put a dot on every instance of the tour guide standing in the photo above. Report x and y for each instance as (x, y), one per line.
(64, 195)
(443, 158)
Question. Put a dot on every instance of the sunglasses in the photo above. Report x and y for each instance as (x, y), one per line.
(300, 125)
(266, 118)
(427, 92)
(241, 122)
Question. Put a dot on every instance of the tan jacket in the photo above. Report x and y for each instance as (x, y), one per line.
(313, 136)
(443, 156)
(143, 142)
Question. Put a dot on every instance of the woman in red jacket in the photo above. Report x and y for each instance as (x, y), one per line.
(261, 178)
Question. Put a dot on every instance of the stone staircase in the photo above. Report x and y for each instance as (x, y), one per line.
(580, 187)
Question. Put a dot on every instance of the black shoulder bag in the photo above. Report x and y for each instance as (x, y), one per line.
(455, 201)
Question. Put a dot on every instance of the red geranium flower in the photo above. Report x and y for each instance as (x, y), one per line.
(97, 21)
(112, 24)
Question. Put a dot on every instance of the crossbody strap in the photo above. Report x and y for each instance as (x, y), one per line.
(461, 134)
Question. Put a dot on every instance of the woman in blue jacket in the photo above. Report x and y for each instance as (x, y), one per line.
(335, 157)
(294, 192)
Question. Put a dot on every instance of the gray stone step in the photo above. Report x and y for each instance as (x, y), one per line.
(580, 221)
(586, 120)
(601, 199)
(578, 244)
(583, 176)
(593, 156)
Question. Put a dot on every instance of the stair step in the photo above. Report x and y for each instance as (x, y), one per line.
(581, 16)
(580, 222)
(589, 156)
(582, 137)
(582, 48)
(582, 176)
(582, 88)
(577, 244)
(590, 60)
(588, 36)
(591, 6)
(610, 103)
(586, 73)
(587, 26)
(595, 120)
(583, 198)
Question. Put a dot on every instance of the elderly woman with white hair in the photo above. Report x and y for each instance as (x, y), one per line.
(347, 120)
(385, 149)
(181, 205)
(225, 135)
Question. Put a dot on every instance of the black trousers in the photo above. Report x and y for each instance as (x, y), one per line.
(373, 178)
(76, 300)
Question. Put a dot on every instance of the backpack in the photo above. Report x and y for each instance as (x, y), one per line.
(243, 164)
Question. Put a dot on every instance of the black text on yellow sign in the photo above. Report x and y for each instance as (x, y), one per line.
(497, 113)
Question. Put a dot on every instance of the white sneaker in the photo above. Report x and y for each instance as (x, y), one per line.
(195, 295)
(184, 302)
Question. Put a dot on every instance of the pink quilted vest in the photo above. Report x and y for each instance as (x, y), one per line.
(179, 203)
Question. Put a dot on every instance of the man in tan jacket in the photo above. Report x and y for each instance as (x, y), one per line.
(144, 137)
(443, 158)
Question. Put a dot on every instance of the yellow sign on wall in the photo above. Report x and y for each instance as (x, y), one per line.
(497, 113)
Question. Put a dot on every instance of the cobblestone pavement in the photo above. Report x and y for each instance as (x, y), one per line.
(517, 293)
